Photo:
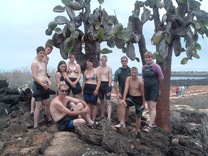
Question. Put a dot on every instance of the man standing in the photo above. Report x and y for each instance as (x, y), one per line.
(67, 119)
(41, 85)
(135, 87)
(48, 50)
(105, 88)
(120, 76)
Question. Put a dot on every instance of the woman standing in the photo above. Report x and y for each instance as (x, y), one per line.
(60, 74)
(152, 76)
(90, 87)
(74, 74)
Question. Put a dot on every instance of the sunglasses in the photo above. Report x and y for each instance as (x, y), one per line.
(124, 61)
(64, 91)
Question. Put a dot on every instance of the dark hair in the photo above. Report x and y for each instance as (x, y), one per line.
(40, 49)
(60, 63)
(90, 60)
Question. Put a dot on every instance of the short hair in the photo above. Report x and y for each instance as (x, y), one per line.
(64, 85)
(48, 45)
(104, 56)
(148, 54)
(124, 57)
(134, 69)
(60, 63)
(40, 49)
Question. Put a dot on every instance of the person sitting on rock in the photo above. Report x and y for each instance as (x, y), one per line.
(134, 85)
(67, 119)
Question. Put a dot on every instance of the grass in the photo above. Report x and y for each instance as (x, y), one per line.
(17, 78)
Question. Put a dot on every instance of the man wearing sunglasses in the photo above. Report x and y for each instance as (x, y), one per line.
(120, 77)
(67, 119)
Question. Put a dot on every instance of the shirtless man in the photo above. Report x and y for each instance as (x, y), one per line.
(119, 84)
(134, 85)
(48, 50)
(67, 119)
(105, 88)
(41, 85)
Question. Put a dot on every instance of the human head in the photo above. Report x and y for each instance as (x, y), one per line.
(48, 49)
(148, 57)
(89, 63)
(134, 71)
(148, 54)
(124, 61)
(62, 90)
(40, 49)
(61, 66)
(72, 57)
(104, 59)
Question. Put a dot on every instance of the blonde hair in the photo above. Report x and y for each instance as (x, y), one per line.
(134, 69)
(124, 57)
(148, 54)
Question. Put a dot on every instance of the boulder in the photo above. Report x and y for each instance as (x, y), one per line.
(10, 99)
(65, 143)
(3, 84)
(12, 91)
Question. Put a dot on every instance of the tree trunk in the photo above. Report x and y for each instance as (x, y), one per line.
(163, 104)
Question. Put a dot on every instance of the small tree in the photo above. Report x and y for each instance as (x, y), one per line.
(185, 21)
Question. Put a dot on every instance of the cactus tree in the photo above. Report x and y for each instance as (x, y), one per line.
(98, 27)
(183, 22)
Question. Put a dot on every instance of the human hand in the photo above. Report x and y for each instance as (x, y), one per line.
(45, 86)
(95, 92)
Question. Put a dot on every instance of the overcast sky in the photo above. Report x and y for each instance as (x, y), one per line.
(23, 24)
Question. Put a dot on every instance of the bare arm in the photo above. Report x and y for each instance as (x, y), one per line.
(141, 86)
(79, 74)
(110, 77)
(57, 76)
(126, 89)
(98, 82)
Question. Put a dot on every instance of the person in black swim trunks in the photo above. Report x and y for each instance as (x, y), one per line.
(135, 87)
(90, 87)
(67, 119)
(152, 76)
(105, 88)
(40, 86)
(48, 50)
(73, 72)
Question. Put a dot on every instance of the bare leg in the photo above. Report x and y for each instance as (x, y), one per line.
(127, 113)
(94, 112)
(47, 109)
(77, 121)
(102, 108)
(37, 112)
(122, 114)
(79, 107)
(153, 112)
(138, 123)
(32, 105)
(76, 96)
(109, 108)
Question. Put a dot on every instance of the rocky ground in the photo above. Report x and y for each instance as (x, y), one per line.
(187, 136)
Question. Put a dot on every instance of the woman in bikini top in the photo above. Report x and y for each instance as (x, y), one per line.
(60, 74)
(73, 71)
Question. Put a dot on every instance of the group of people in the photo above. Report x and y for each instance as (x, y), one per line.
(181, 90)
(67, 111)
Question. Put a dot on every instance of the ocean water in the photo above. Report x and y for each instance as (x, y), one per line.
(172, 78)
